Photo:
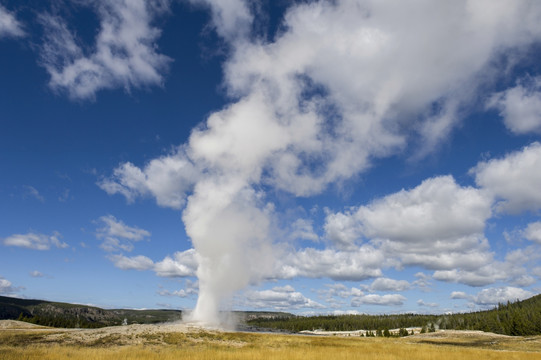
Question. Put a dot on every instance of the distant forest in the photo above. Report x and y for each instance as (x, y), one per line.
(519, 318)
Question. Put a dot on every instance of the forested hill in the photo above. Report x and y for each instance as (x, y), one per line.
(60, 314)
(518, 318)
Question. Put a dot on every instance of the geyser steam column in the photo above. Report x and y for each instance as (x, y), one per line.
(230, 233)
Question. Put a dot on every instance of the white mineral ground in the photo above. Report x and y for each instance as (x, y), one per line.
(139, 333)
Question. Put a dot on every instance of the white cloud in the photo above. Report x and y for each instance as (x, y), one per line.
(32, 192)
(36, 241)
(338, 290)
(36, 274)
(303, 229)
(9, 25)
(110, 244)
(342, 229)
(116, 235)
(537, 271)
(459, 295)
(231, 19)
(362, 264)
(482, 276)
(182, 264)
(437, 209)
(494, 296)
(423, 281)
(139, 262)
(533, 232)
(420, 302)
(514, 179)
(124, 55)
(386, 284)
(375, 299)
(7, 288)
(279, 299)
(180, 293)
(484, 272)
(191, 288)
(438, 225)
(117, 228)
(167, 178)
(520, 106)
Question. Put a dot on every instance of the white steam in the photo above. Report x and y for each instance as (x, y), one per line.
(231, 236)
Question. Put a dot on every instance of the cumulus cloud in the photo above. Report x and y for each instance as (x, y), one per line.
(438, 225)
(231, 19)
(167, 178)
(9, 25)
(520, 106)
(182, 264)
(336, 290)
(303, 229)
(342, 230)
(362, 264)
(437, 209)
(7, 288)
(514, 179)
(482, 276)
(537, 271)
(386, 284)
(123, 56)
(36, 241)
(512, 269)
(459, 295)
(139, 262)
(421, 302)
(279, 298)
(494, 296)
(190, 289)
(116, 235)
(423, 281)
(533, 232)
(375, 299)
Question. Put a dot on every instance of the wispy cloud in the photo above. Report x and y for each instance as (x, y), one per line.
(189, 290)
(117, 236)
(32, 192)
(139, 262)
(36, 241)
(36, 274)
(124, 55)
(9, 25)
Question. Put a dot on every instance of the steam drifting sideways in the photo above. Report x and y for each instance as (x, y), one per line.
(340, 85)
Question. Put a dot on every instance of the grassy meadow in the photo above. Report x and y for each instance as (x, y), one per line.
(58, 344)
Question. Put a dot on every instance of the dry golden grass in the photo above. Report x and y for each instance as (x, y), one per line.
(201, 344)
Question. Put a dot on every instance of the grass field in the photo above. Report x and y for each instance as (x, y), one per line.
(154, 343)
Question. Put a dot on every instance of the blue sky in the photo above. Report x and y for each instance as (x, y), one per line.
(311, 156)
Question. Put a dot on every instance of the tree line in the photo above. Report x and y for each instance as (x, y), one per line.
(519, 319)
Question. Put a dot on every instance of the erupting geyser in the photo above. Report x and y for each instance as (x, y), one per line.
(231, 236)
